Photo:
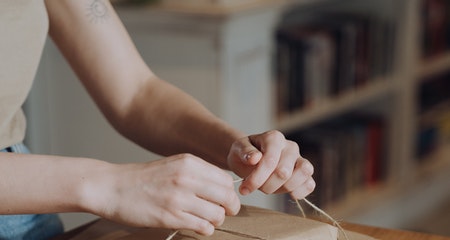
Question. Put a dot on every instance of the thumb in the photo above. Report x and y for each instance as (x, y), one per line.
(250, 155)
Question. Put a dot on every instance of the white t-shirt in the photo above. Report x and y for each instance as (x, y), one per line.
(23, 30)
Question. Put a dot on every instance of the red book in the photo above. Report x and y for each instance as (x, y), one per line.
(373, 152)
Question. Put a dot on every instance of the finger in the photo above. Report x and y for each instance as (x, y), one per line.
(189, 221)
(270, 145)
(223, 196)
(302, 172)
(196, 169)
(184, 213)
(305, 166)
(284, 170)
(247, 152)
(208, 182)
(304, 190)
(207, 210)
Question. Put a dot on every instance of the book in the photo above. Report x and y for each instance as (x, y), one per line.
(328, 55)
(435, 25)
(348, 153)
(433, 125)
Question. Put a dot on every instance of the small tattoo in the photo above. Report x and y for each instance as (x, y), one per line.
(97, 11)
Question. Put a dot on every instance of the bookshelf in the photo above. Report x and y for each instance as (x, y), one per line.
(334, 106)
(382, 203)
(243, 35)
(433, 66)
(392, 95)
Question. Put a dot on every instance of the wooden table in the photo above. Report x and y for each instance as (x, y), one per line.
(105, 230)
(383, 233)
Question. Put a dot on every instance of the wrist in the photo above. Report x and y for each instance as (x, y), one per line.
(229, 137)
(96, 187)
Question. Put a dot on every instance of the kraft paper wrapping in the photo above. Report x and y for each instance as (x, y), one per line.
(251, 223)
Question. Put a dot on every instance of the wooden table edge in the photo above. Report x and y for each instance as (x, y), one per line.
(375, 232)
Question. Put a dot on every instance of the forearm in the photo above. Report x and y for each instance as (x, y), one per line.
(167, 121)
(148, 111)
(43, 184)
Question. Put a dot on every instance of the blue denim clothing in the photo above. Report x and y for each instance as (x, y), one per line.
(28, 226)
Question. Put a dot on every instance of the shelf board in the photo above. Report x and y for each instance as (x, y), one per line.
(433, 66)
(223, 8)
(434, 163)
(333, 106)
(357, 201)
(428, 185)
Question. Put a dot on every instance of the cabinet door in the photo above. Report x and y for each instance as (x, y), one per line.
(186, 61)
(247, 96)
(182, 50)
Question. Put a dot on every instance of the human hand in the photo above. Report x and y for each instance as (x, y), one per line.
(271, 163)
(178, 192)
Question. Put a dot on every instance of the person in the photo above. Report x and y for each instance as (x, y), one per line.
(187, 189)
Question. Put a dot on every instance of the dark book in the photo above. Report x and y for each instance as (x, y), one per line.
(282, 71)
(329, 54)
(433, 91)
(435, 20)
(347, 153)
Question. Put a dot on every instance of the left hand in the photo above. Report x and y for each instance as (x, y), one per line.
(271, 163)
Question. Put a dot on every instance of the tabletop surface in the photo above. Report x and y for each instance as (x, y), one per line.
(383, 233)
(108, 230)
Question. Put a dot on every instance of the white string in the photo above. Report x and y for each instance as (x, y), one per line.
(335, 223)
(300, 208)
(170, 237)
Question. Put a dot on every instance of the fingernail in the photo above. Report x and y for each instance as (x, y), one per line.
(248, 156)
(245, 191)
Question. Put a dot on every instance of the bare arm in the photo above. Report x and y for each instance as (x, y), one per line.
(142, 107)
(43, 184)
(180, 191)
(159, 116)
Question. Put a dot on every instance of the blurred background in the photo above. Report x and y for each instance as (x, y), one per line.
(362, 85)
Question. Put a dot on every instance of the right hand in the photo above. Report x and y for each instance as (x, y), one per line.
(177, 192)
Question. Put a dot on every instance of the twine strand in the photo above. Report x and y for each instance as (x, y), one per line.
(335, 223)
(172, 235)
(300, 208)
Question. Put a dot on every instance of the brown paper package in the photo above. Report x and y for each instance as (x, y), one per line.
(250, 223)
